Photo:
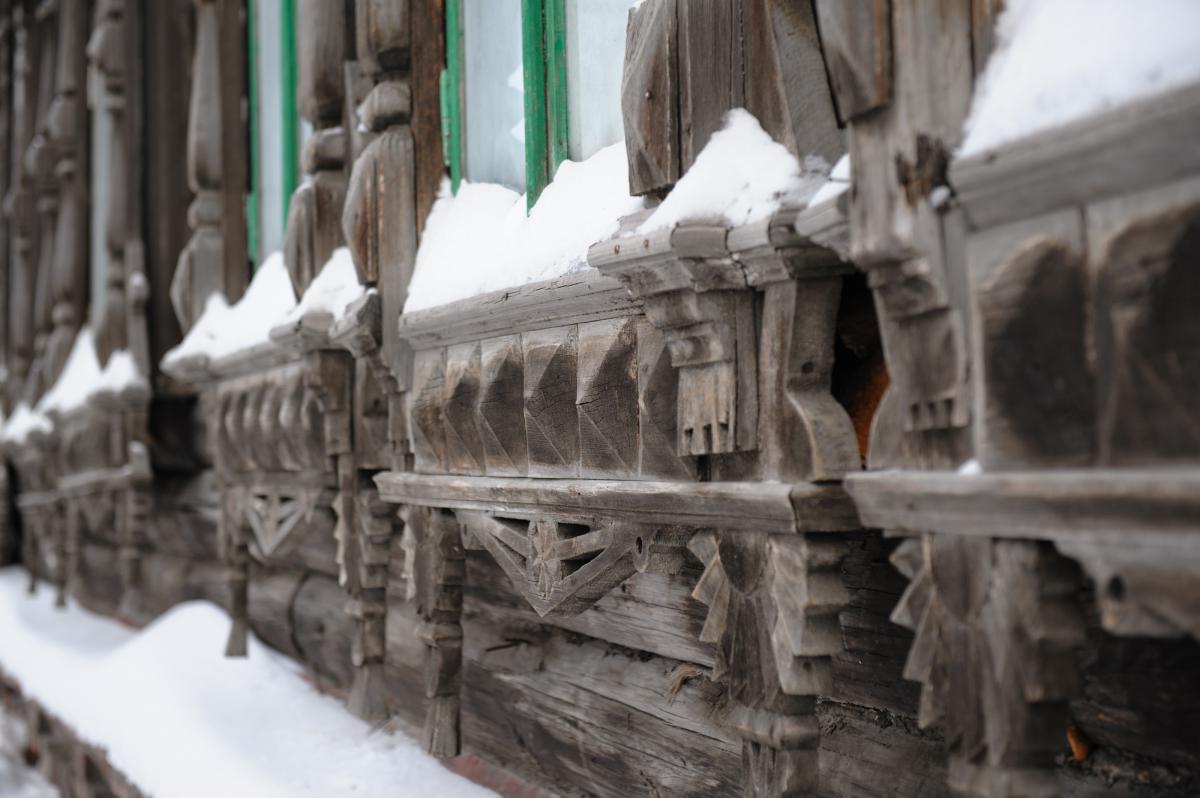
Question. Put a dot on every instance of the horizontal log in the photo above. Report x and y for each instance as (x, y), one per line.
(757, 506)
(1152, 507)
(1134, 146)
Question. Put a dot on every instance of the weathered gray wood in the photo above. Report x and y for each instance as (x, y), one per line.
(856, 39)
(786, 86)
(710, 71)
(1133, 147)
(586, 296)
(1035, 392)
(650, 97)
(1140, 247)
(759, 506)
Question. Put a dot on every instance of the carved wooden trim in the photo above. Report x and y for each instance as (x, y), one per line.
(773, 617)
(214, 258)
(996, 626)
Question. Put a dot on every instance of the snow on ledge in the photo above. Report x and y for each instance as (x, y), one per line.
(480, 240)
(223, 329)
(180, 720)
(335, 287)
(1057, 62)
(23, 422)
(79, 377)
(741, 176)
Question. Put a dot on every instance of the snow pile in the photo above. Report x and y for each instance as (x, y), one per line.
(836, 185)
(335, 287)
(1059, 61)
(181, 720)
(120, 372)
(222, 330)
(22, 423)
(741, 176)
(206, 330)
(79, 378)
(481, 240)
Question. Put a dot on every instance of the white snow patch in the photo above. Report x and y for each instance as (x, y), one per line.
(970, 468)
(1056, 62)
(23, 422)
(222, 330)
(180, 720)
(741, 176)
(836, 185)
(334, 287)
(120, 372)
(79, 378)
(18, 780)
(481, 240)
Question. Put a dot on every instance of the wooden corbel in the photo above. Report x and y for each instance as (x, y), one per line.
(695, 293)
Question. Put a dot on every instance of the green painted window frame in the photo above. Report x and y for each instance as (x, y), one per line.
(544, 62)
(289, 116)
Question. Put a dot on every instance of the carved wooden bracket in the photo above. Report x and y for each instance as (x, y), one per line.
(773, 617)
(694, 293)
(748, 315)
(996, 626)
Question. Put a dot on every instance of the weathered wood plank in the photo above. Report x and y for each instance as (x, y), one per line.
(650, 97)
(766, 507)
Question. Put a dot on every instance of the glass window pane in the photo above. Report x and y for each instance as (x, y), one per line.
(493, 92)
(269, 110)
(595, 57)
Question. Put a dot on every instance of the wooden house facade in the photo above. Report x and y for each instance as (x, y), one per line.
(885, 494)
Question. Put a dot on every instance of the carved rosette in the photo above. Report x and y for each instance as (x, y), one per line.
(773, 618)
(996, 625)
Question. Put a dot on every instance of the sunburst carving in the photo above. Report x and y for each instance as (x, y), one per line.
(996, 623)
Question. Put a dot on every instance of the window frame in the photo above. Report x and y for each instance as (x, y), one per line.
(288, 116)
(544, 65)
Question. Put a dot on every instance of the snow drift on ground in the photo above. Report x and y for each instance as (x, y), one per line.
(481, 239)
(181, 720)
(741, 176)
(18, 780)
(1059, 61)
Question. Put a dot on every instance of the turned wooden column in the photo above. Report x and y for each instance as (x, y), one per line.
(215, 256)
(19, 204)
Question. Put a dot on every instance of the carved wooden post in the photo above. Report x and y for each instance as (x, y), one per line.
(19, 204)
(236, 554)
(41, 157)
(901, 136)
(106, 51)
(6, 177)
(214, 258)
(66, 127)
(314, 217)
(379, 220)
(440, 569)
(773, 615)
